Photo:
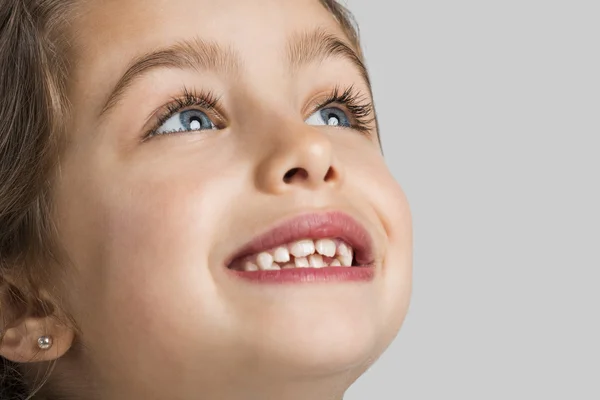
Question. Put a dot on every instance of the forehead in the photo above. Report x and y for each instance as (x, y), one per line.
(107, 35)
(109, 30)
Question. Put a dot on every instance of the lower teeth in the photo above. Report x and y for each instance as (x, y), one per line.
(308, 254)
(301, 263)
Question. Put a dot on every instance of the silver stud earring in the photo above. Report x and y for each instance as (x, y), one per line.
(44, 342)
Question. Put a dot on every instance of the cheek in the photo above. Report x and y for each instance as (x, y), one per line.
(158, 234)
(399, 260)
(391, 205)
(150, 235)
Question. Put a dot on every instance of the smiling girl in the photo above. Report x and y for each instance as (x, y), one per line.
(193, 202)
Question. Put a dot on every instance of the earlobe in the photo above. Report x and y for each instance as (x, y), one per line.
(36, 340)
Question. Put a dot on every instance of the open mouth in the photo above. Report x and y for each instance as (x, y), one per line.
(305, 253)
(311, 241)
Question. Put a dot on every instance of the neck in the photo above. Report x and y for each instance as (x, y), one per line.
(331, 388)
(243, 386)
(271, 392)
(289, 392)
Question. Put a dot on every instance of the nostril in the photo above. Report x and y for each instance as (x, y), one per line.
(295, 173)
(302, 174)
(330, 174)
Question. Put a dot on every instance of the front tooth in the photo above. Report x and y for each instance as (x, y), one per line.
(265, 261)
(302, 248)
(344, 254)
(288, 266)
(325, 247)
(316, 261)
(302, 262)
(281, 255)
(335, 263)
(250, 266)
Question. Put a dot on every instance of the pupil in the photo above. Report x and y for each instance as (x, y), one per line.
(195, 124)
(333, 120)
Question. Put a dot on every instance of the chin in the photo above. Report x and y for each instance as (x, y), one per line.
(319, 339)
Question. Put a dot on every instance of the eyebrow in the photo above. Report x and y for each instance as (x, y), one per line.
(302, 49)
(318, 45)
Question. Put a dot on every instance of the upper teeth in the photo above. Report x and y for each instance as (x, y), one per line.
(281, 255)
(265, 261)
(306, 253)
(302, 248)
(327, 247)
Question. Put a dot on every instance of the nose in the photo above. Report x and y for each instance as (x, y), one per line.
(302, 159)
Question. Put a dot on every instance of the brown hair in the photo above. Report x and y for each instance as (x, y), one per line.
(33, 108)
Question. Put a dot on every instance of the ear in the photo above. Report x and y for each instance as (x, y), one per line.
(21, 342)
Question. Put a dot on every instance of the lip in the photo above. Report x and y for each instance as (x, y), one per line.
(334, 225)
(308, 275)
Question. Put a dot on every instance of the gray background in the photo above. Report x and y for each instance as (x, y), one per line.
(490, 116)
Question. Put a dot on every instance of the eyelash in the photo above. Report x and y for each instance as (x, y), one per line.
(361, 110)
(205, 100)
(359, 107)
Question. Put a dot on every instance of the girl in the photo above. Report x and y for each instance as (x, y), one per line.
(193, 202)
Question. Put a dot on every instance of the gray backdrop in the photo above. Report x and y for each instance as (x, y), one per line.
(490, 117)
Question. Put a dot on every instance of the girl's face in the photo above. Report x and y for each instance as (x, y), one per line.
(155, 197)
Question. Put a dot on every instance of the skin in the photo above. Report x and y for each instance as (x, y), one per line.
(148, 225)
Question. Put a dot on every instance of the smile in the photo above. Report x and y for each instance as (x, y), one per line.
(310, 247)
(306, 253)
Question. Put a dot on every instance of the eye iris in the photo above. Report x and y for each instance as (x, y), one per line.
(195, 120)
(334, 117)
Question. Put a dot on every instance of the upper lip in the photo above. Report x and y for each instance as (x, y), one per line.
(335, 225)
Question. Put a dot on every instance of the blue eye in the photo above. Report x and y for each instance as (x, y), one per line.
(330, 116)
(186, 121)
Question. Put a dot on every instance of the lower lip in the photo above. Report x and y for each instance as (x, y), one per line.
(309, 275)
